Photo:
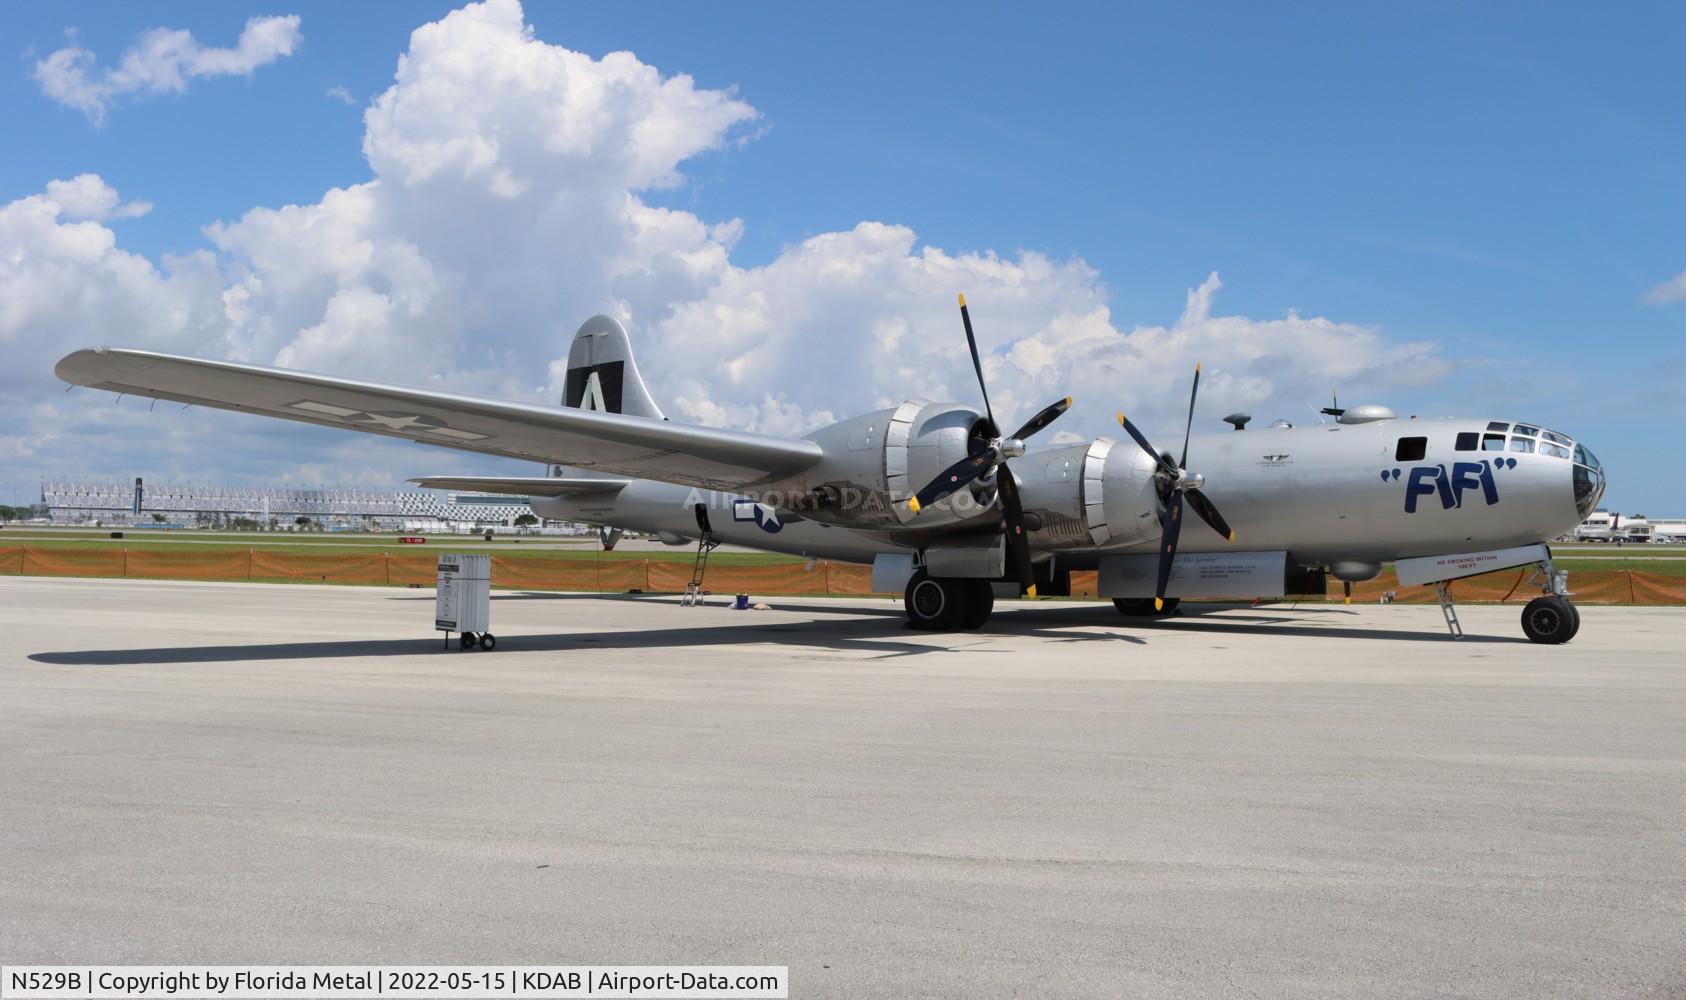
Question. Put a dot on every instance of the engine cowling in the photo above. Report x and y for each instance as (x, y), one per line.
(1096, 495)
(874, 462)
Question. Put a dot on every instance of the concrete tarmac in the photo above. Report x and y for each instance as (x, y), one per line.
(1318, 801)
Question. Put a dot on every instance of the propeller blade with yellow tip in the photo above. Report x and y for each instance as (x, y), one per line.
(1209, 513)
(1176, 485)
(993, 455)
(1048, 415)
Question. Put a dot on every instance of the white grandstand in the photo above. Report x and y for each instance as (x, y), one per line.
(113, 503)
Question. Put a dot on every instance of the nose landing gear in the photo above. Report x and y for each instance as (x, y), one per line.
(1551, 618)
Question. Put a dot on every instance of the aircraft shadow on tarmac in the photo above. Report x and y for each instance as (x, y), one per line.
(865, 630)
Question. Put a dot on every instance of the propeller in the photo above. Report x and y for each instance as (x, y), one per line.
(994, 455)
(1178, 484)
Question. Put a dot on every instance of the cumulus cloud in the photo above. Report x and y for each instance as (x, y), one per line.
(1672, 290)
(162, 60)
(87, 196)
(64, 281)
(508, 202)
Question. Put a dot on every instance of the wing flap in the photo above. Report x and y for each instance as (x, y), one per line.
(523, 486)
(602, 442)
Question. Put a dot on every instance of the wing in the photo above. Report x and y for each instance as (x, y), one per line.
(523, 486)
(606, 442)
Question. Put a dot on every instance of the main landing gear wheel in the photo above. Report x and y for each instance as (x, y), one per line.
(1550, 619)
(467, 640)
(1142, 607)
(980, 601)
(488, 642)
(936, 604)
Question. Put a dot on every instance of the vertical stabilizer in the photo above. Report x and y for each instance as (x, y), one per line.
(602, 375)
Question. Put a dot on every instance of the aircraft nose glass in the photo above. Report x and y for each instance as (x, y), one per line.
(1589, 480)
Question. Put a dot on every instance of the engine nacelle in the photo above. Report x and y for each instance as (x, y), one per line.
(873, 463)
(1099, 494)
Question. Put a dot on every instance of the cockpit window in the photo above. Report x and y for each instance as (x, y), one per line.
(1498, 425)
(1521, 444)
(1560, 439)
(1554, 450)
(1525, 429)
(1492, 442)
(1410, 449)
(1589, 480)
(1469, 441)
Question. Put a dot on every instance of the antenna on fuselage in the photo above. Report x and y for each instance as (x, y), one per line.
(1334, 407)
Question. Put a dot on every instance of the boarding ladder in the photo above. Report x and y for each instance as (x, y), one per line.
(706, 543)
(699, 566)
(1443, 590)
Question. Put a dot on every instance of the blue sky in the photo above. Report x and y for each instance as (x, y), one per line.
(1502, 183)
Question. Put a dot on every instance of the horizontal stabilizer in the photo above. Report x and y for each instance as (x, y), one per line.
(522, 486)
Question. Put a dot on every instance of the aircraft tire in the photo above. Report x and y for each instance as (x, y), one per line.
(980, 601)
(466, 641)
(1575, 614)
(1549, 619)
(488, 641)
(1142, 607)
(935, 604)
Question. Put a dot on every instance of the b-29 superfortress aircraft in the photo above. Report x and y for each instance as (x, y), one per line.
(951, 511)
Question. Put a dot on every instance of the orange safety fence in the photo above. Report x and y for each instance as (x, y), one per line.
(1620, 586)
(74, 562)
(539, 572)
(313, 568)
(850, 579)
(1652, 588)
(411, 571)
(156, 564)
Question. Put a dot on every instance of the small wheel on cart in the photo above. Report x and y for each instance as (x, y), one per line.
(468, 640)
(488, 642)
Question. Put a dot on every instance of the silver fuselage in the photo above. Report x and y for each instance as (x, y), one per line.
(1325, 493)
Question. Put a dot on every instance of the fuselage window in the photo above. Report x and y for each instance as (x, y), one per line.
(1492, 442)
(1498, 425)
(1525, 429)
(1521, 444)
(1410, 449)
(1469, 441)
